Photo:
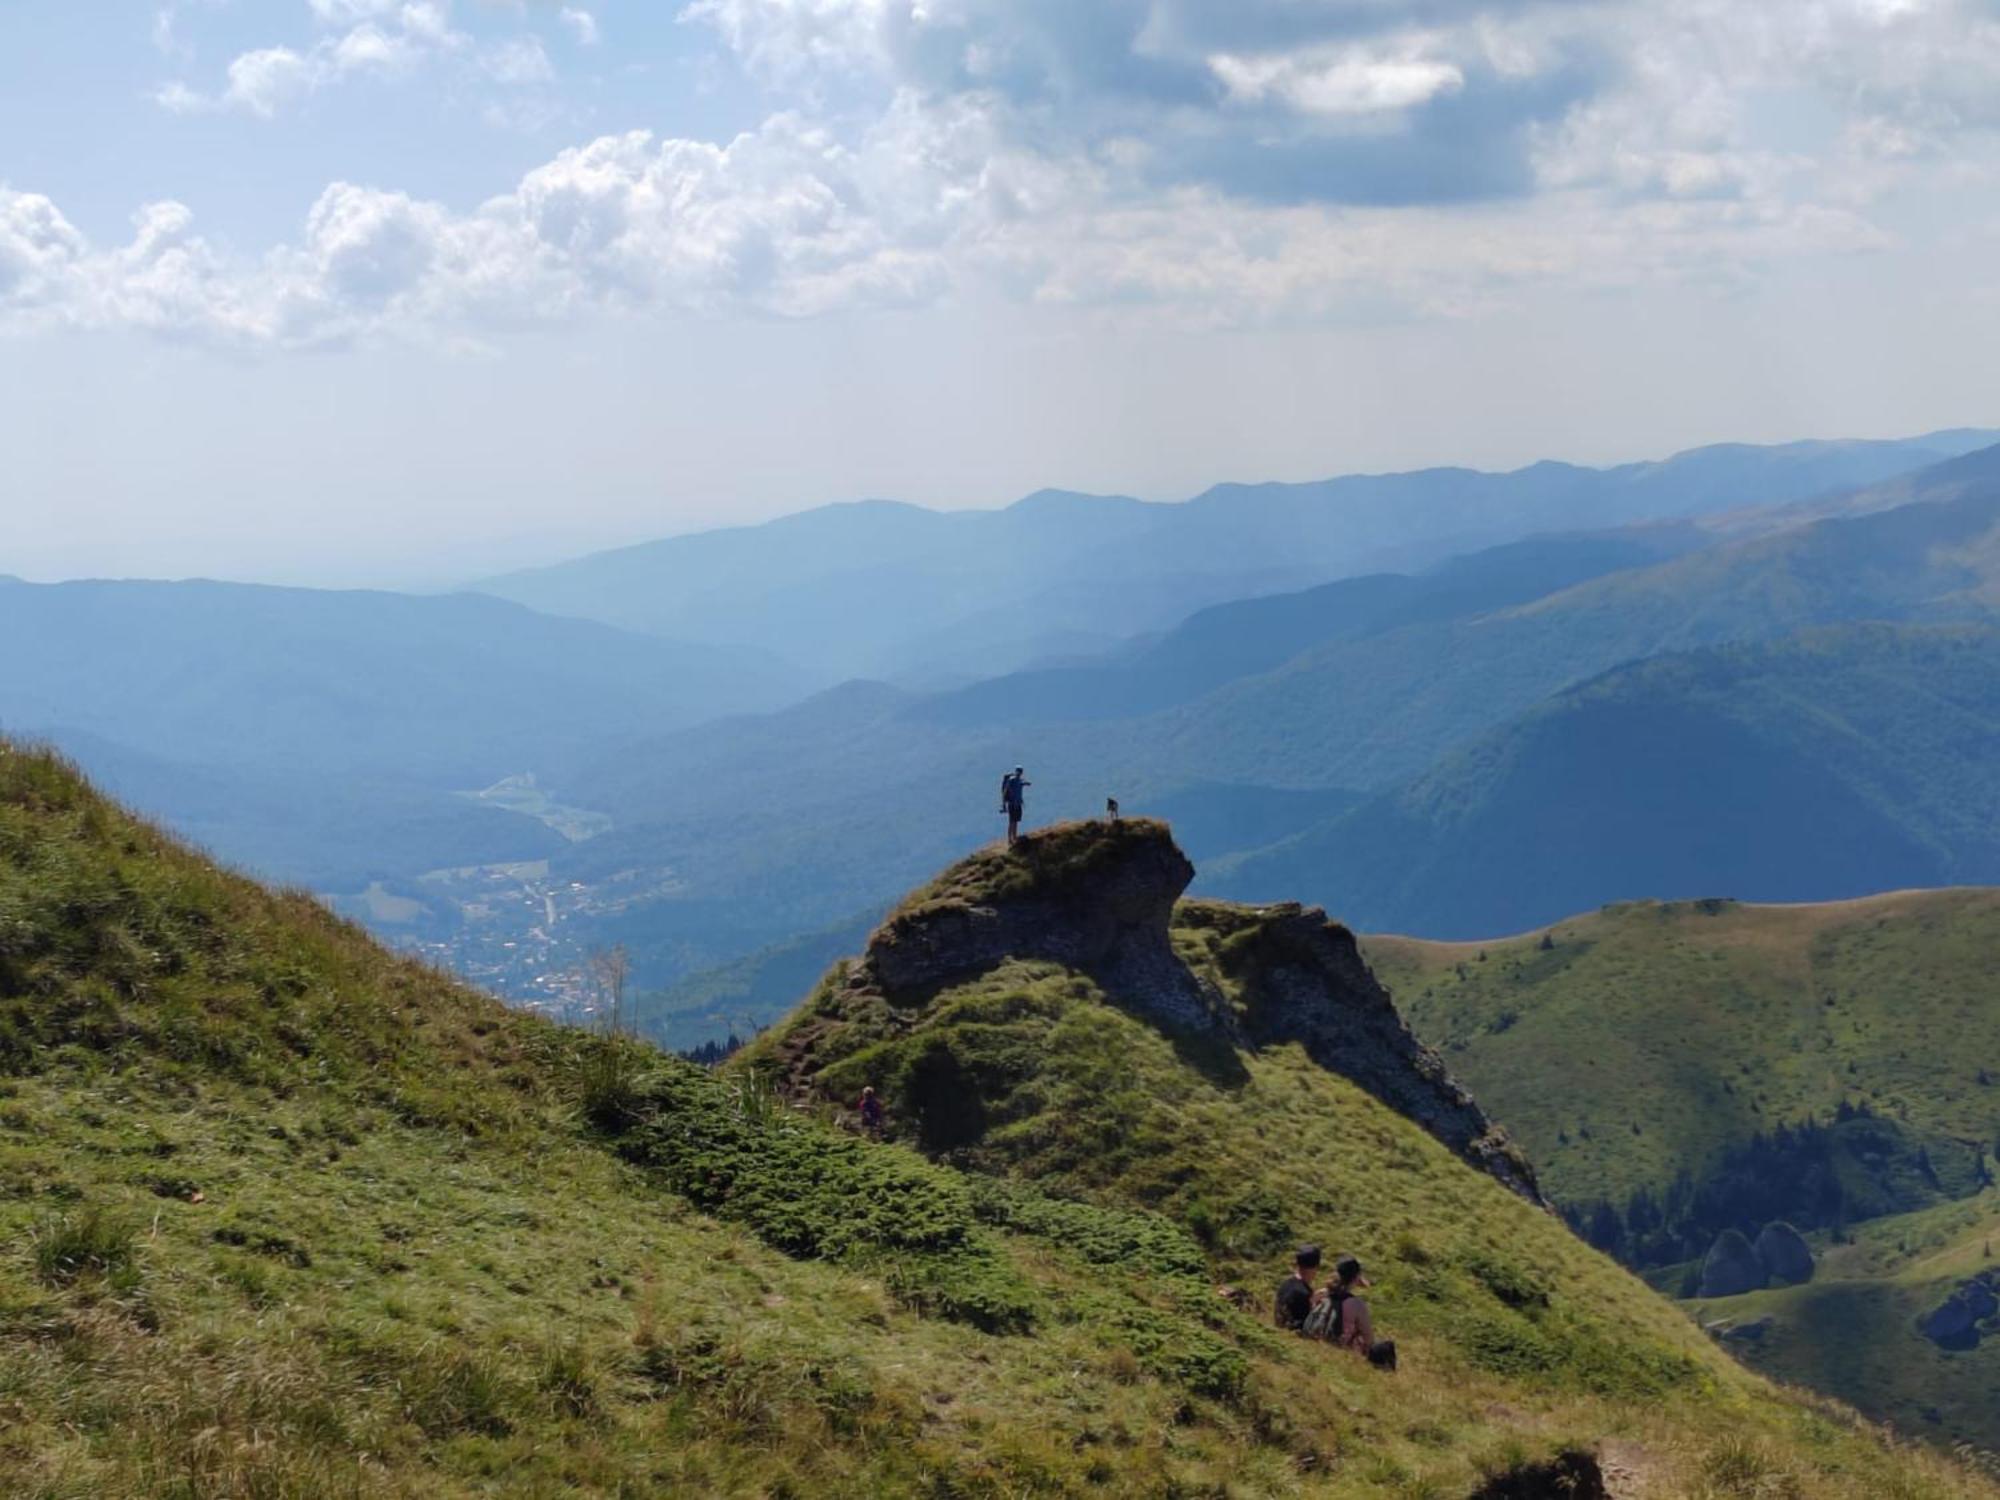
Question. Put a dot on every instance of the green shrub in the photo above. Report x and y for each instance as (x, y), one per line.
(1101, 1236)
(971, 1286)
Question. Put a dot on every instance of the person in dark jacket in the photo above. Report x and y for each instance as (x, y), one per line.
(1014, 800)
(1295, 1292)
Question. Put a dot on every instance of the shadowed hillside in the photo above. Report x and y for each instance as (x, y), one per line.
(285, 1216)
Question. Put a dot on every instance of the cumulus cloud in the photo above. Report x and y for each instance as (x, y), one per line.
(582, 26)
(1261, 159)
(362, 37)
(1349, 83)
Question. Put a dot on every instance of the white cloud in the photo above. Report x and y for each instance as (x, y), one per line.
(785, 38)
(518, 61)
(1271, 159)
(379, 37)
(582, 25)
(265, 80)
(1350, 82)
(348, 12)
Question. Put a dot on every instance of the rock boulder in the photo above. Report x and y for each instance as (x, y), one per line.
(1786, 1257)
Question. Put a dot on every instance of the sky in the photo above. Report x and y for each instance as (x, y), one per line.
(403, 292)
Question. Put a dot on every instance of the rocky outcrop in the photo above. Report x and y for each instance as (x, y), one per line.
(1968, 1314)
(1780, 1256)
(1732, 1267)
(1098, 897)
(1301, 978)
(1104, 899)
(1786, 1257)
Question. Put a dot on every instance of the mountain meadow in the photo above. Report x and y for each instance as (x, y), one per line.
(1687, 1075)
(287, 1215)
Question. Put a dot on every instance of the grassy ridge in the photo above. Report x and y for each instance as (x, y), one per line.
(1651, 1036)
(1851, 1331)
(1628, 1046)
(1032, 1074)
(283, 1216)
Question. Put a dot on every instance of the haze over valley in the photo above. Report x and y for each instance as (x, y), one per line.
(971, 750)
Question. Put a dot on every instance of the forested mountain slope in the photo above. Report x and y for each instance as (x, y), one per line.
(1830, 764)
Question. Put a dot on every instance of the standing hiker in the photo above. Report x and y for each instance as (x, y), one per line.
(1014, 800)
(871, 1110)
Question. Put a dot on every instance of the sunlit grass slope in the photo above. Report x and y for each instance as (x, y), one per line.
(1853, 1330)
(1511, 1329)
(1626, 1045)
(281, 1215)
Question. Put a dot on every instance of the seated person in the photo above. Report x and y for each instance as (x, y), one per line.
(1356, 1327)
(1295, 1292)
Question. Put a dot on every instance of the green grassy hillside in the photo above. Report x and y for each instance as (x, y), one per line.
(1035, 1071)
(1626, 1046)
(1659, 1062)
(1852, 1330)
(283, 1216)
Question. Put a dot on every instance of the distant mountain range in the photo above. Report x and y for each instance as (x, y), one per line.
(684, 798)
(1823, 765)
(1396, 693)
(314, 734)
(881, 589)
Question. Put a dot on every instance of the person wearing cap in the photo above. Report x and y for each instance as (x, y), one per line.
(1014, 799)
(871, 1110)
(1356, 1329)
(1295, 1292)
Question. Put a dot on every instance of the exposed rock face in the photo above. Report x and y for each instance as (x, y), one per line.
(1751, 1332)
(1732, 1267)
(1956, 1323)
(1786, 1257)
(1304, 980)
(1101, 898)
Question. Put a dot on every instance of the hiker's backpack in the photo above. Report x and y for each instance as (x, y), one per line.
(1323, 1322)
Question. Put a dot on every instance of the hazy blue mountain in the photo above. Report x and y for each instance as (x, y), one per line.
(325, 831)
(881, 589)
(829, 806)
(320, 737)
(459, 689)
(1246, 637)
(1373, 712)
(1832, 764)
